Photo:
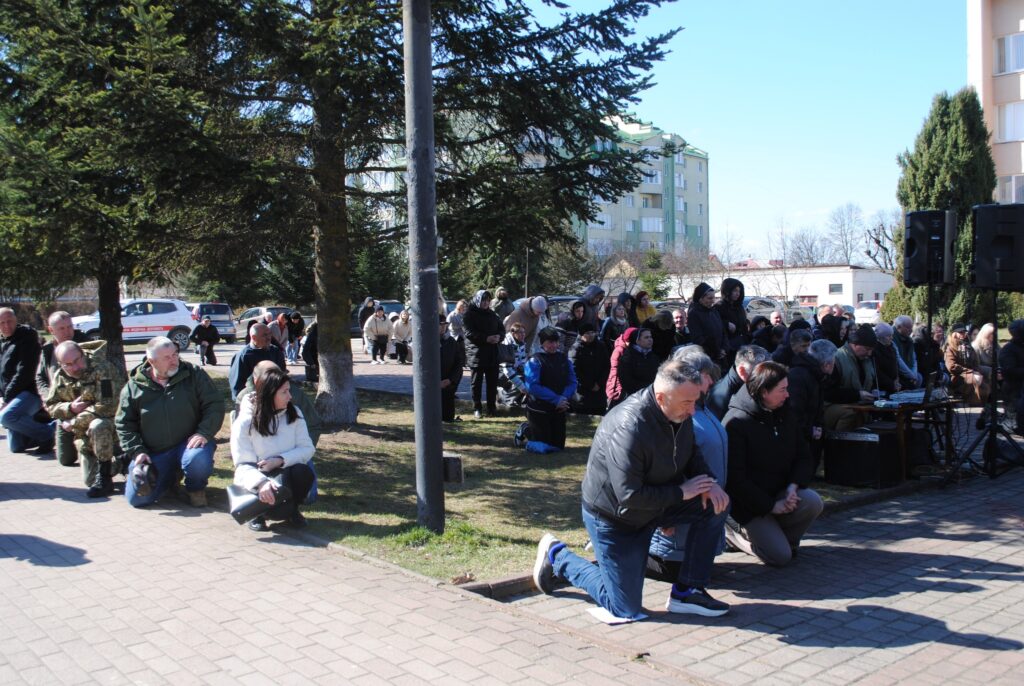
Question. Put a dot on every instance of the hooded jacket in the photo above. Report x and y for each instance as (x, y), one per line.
(524, 315)
(637, 461)
(733, 313)
(705, 324)
(723, 391)
(766, 453)
(663, 331)
(153, 419)
(590, 293)
(613, 389)
(481, 324)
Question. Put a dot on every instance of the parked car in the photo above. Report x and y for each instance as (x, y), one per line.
(220, 315)
(143, 319)
(257, 314)
(868, 312)
(390, 307)
(756, 306)
(671, 305)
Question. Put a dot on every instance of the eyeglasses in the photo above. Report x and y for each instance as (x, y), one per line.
(72, 364)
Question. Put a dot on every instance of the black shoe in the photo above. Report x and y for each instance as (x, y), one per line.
(47, 447)
(543, 569)
(297, 521)
(696, 602)
(103, 484)
(259, 524)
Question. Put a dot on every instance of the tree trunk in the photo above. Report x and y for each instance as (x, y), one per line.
(336, 396)
(109, 291)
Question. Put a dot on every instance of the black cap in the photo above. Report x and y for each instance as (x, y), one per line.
(864, 335)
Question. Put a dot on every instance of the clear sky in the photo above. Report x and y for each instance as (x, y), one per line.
(801, 105)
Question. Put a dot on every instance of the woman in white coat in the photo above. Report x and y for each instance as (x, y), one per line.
(270, 445)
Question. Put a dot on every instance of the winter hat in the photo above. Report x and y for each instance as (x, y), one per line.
(700, 291)
(380, 308)
(962, 328)
(864, 335)
(586, 328)
(799, 324)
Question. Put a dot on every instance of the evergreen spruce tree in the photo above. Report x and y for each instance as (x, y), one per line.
(951, 168)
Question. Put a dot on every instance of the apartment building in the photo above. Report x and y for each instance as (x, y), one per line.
(995, 67)
(668, 211)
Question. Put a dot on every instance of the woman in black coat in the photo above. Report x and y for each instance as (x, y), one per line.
(483, 333)
(770, 466)
(706, 328)
(638, 364)
(734, 318)
(311, 352)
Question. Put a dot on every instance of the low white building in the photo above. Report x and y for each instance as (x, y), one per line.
(809, 286)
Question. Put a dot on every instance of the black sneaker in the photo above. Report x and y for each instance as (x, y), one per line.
(259, 524)
(297, 520)
(696, 602)
(543, 570)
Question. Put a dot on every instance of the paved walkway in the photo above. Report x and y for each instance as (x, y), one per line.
(96, 592)
(926, 589)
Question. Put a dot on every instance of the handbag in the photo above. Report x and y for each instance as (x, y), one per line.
(245, 506)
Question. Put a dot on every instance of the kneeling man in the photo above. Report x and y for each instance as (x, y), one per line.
(83, 399)
(644, 472)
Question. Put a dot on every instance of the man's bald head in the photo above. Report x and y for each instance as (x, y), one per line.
(60, 325)
(71, 358)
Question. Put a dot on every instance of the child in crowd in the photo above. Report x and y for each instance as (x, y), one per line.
(551, 382)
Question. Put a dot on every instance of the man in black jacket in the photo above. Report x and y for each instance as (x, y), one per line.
(747, 357)
(244, 362)
(453, 359)
(1011, 367)
(644, 472)
(19, 360)
(205, 336)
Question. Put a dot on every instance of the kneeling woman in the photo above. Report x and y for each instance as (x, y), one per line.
(270, 445)
(769, 466)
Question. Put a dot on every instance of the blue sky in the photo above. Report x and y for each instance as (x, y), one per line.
(802, 106)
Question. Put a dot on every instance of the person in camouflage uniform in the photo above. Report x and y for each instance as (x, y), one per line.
(84, 399)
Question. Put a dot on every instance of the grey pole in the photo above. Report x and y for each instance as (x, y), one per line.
(426, 360)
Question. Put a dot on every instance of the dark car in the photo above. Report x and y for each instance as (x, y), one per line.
(390, 307)
(257, 314)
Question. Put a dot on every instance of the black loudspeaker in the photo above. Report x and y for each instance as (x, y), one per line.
(863, 458)
(998, 247)
(928, 248)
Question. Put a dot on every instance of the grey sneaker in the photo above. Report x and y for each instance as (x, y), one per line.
(697, 602)
(543, 570)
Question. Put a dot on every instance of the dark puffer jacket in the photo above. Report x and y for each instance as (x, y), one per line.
(766, 454)
(637, 369)
(806, 402)
(480, 324)
(637, 461)
(733, 313)
(19, 360)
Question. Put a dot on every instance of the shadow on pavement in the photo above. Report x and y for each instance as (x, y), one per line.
(856, 626)
(27, 490)
(40, 551)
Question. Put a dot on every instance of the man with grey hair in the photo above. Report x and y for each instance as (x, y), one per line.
(747, 357)
(260, 347)
(62, 328)
(644, 472)
(169, 413)
(906, 357)
(83, 400)
(19, 397)
(799, 340)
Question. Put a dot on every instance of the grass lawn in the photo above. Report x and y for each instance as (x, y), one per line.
(494, 519)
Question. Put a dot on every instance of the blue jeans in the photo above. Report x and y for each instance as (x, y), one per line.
(617, 582)
(197, 463)
(24, 432)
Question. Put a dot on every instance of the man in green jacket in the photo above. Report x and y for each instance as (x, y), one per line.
(169, 413)
(854, 371)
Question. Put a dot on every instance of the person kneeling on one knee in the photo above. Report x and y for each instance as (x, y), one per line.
(770, 465)
(168, 415)
(551, 382)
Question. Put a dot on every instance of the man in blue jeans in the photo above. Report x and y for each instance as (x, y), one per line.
(168, 415)
(19, 359)
(644, 472)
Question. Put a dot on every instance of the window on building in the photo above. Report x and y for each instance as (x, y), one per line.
(628, 201)
(877, 297)
(1010, 53)
(652, 224)
(700, 209)
(860, 297)
(651, 201)
(700, 186)
(700, 230)
(652, 176)
(679, 180)
(685, 207)
(680, 204)
(680, 227)
(700, 166)
(835, 289)
(602, 221)
(1010, 122)
(634, 224)
(681, 159)
(1010, 189)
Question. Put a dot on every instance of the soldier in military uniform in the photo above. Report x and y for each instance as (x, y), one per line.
(84, 398)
